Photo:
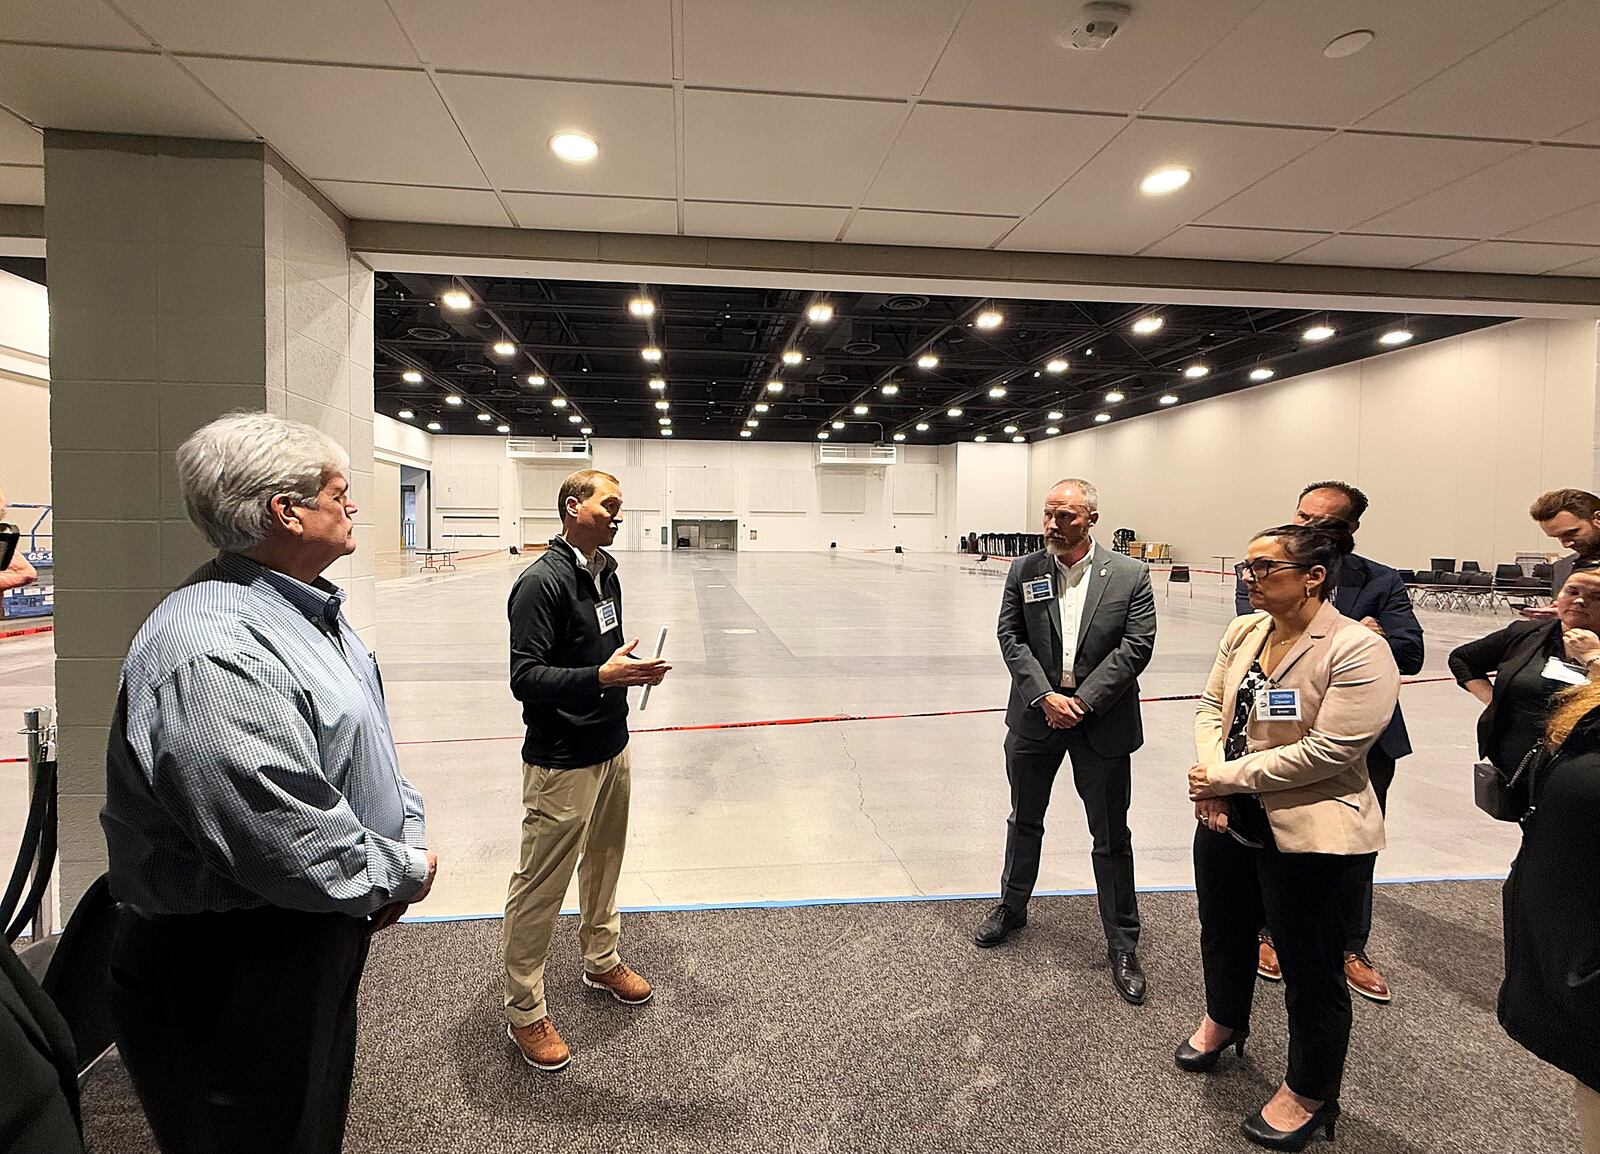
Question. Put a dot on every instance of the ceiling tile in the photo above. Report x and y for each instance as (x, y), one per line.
(1583, 268)
(1315, 191)
(510, 122)
(1506, 256)
(939, 229)
(833, 47)
(89, 23)
(415, 203)
(20, 143)
(763, 221)
(1524, 189)
(783, 149)
(351, 31)
(1534, 83)
(986, 160)
(360, 124)
(1583, 134)
(21, 184)
(1270, 66)
(1260, 244)
(1101, 209)
(614, 40)
(1008, 52)
(1376, 251)
(1580, 226)
(110, 92)
(593, 213)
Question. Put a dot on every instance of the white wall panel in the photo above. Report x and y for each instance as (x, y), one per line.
(916, 489)
(842, 492)
(779, 490)
(701, 488)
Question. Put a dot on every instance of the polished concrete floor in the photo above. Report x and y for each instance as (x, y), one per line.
(872, 808)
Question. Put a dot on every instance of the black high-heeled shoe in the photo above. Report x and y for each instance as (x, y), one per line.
(1204, 1061)
(1258, 1131)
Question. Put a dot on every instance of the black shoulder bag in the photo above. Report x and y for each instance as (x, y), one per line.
(1497, 795)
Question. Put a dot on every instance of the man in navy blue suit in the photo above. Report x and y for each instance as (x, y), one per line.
(1374, 595)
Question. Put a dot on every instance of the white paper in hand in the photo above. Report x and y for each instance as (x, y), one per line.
(661, 642)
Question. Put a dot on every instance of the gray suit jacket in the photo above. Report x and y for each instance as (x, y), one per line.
(1115, 640)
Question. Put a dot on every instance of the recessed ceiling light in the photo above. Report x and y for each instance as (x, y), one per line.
(456, 299)
(1019, 439)
(405, 414)
(838, 424)
(1144, 326)
(1318, 333)
(485, 417)
(658, 384)
(642, 307)
(745, 433)
(663, 405)
(434, 426)
(823, 436)
(1348, 44)
(1056, 366)
(1053, 415)
(980, 438)
(861, 410)
(1168, 399)
(663, 421)
(820, 313)
(1101, 418)
(753, 423)
(793, 357)
(997, 392)
(952, 412)
(536, 380)
(666, 432)
(922, 426)
(774, 386)
(502, 428)
(411, 377)
(559, 402)
(1114, 396)
(1053, 430)
(1395, 337)
(504, 348)
(1263, 374)
(453, 399)
(1010, 429)
(890, 389)
(1165, 180)
(763, 407)
(989, 319)
(651, 354)
(586, 430)
(574, 147)
(927, 361)
(899, 436)
(1195, 372)
(575, 419)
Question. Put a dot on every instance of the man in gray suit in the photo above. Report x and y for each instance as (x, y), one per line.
(1077, 626)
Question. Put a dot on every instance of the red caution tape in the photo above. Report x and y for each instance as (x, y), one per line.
(26, 632)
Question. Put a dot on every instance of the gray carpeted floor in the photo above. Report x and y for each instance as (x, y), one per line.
(867, 1028)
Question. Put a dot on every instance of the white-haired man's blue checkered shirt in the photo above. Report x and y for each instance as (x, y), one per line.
(250, 761)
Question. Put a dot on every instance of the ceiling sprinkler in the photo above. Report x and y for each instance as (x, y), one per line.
(1094, 27)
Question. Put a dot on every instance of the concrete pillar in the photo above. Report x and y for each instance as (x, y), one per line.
(188, 278)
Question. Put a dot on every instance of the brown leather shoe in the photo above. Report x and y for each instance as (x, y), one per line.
(1363, 977)
(625, 985)
(1267, 967)
(539, 1044)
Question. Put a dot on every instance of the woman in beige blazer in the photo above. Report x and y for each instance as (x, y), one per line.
(1288, 819)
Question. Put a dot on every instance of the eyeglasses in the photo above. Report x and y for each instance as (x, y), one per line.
(1262, 568)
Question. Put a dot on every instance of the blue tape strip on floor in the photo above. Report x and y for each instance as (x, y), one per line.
(793, 903)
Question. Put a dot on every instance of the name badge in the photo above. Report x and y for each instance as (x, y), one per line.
(606, 612)
(1556, 669)
(1039, 589)
(1278, 705)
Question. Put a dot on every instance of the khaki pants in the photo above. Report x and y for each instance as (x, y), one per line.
(572, 818)
(1587, 1104)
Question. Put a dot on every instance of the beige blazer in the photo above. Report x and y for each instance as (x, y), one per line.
(1312, 773)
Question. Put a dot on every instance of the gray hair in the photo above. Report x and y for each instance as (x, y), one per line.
(1091, 495)
(230, 470)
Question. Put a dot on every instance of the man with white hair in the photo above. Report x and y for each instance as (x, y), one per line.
(1077, 627)
(258, 825)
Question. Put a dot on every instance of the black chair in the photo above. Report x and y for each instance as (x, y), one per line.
(1470, 567)
(1180, 574)
(1477, 588)
(1443, 564)
(1444, 591)
(1507, 583)
(1545, 574)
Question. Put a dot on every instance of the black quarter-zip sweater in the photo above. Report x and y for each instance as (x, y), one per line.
(557, 649)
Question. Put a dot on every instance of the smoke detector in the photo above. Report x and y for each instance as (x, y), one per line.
(1094, 27)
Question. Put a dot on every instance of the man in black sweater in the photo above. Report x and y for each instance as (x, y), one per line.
(571, 671)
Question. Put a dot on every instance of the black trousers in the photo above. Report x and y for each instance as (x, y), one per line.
(1105, 784)
(1380, 768)
(239, 1029)
(1308, 902)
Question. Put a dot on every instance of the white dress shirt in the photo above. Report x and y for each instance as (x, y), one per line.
(1072, 589)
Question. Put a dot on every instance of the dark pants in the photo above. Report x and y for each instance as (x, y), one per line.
(1105, 785)
(1380, 768)
(1308, 901)
(239, 1029)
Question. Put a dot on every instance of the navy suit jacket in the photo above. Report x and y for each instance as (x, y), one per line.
(1369, 589)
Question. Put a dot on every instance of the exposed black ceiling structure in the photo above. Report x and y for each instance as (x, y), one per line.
(572, 359)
